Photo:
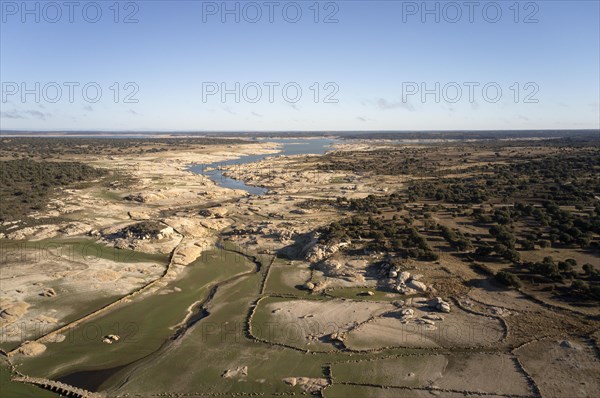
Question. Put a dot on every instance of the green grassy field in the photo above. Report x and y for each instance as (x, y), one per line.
(285, 279)
(143, 324)
(218, 343)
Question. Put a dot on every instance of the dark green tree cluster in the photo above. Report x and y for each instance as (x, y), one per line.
(456, 238)
(379, 235)
(565, 179)
(55, 146)
(561, 227)
(468, 190)
(381, 161)
(505, 243)
(557, 271)
(143, 228)
(568, 229)
(25, 185)
(508, 279)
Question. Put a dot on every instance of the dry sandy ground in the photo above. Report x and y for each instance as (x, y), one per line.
(163, 182)
(474, 373)
(305, 323)
(343, 391)
(297, 176)
(562, 368)
(36, 296)
(456, 329)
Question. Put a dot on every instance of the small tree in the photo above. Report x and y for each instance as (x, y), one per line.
(508, 279)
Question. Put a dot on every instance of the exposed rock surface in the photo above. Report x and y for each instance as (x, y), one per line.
(240, 371)
(407, 313)
(441, 305)
(403, 282)
(48, 293)
(309, 385)
(32, 348)
(319, 251)
(11, 311)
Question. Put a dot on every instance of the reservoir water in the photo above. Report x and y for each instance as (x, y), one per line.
(289, 146)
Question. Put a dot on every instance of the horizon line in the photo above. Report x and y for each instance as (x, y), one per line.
(43, 131)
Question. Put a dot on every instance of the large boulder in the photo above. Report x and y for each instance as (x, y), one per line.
(240, 371)
(441, 305)
(11, 311)
(403, 289)
(331, 267)
(320, 251)
(403, 277)
(32, 348)
(418, 286)
(215, 212)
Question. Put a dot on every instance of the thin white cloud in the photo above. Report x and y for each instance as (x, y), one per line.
(12, 115)
(228, 110)
(27, 114)
(384, 104)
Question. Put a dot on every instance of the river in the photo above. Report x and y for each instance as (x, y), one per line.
(289, 146)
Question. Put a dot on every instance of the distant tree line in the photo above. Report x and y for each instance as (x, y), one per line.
(51, 147)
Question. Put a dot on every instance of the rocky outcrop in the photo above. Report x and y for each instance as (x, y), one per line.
(402, 281)
(32, 348)
(143, 197)
(316, 287)
(238, 372)
(335, 336)
(48, 293)
(417, 285)
(330, 266)
(433, 317)
(407, 314)
(320, 251)
(214, 212)
(309, 385)
(111, 338)
(34, 233)
(403, 277)
(439, 304)
(12, 311)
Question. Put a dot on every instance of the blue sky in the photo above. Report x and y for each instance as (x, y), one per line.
(370, 64)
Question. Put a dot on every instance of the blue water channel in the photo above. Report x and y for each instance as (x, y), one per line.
(311, 146)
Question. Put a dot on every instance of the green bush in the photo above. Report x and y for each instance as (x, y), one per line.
(508, 279)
